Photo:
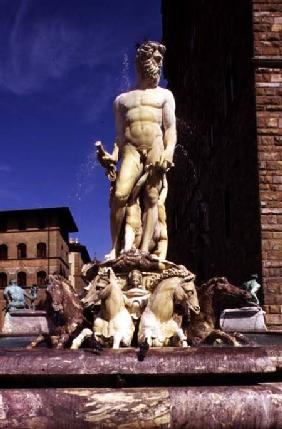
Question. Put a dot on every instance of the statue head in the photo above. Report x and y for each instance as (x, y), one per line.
(149, 60)
(135, 279)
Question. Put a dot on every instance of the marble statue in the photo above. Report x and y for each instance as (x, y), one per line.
(136, 294)
(113, 325)
(157, 325)
(252, 286)
(14, 296)
(145, 141)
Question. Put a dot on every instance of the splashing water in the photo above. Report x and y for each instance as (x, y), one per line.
(85, 175)
(125, 80)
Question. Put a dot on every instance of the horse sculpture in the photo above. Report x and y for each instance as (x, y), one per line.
(65, 310)
(113, 323)
(157, 326)
(214, 296)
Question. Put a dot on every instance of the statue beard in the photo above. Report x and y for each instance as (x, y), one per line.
(149, 71)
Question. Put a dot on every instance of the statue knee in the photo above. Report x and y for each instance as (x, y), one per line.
(121, 196)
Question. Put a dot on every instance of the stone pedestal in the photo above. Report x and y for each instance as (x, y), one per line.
(246, 319)
(28, 322)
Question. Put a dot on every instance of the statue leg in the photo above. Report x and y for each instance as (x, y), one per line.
(37, 341)
(85, 333)
(151, 197)
(117, 340)
(133, 226)
(162, 242)
(130, 170)
(129, 237)
(182, 337)
(151, 211)
(64, 338)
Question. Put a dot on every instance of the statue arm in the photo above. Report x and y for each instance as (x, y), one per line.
(119, 122)
(169, 124)
(255, 288)
(110, 160)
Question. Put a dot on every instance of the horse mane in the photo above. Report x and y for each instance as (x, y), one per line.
(68, 290)
(71, 294)
(174, 271)
(211, 285)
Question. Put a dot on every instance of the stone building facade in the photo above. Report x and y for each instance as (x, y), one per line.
(78, 256)
(33, 244)
(224, 66)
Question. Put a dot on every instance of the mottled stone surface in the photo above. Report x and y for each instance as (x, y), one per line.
(217, 407)
(157, 363)
(248, 319)
(27, 322)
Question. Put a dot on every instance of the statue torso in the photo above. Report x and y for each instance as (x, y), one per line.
(142, 112)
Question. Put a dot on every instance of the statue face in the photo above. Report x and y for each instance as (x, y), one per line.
(135, 279)
(149, 60)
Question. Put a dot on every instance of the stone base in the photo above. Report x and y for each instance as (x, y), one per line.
(246, 319)
(28, 322)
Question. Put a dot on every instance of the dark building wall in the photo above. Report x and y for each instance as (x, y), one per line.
(213, 208)
(223, 64)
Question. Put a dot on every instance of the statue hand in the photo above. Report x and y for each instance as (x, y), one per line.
(166, 161)
(107, 161)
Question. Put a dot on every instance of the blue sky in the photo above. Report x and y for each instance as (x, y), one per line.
(61, 65)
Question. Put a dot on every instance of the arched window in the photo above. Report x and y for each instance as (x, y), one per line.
(41, 250)
(3, 280)
(21, 251)
(41, 277)
(3, 251)
(21, 278)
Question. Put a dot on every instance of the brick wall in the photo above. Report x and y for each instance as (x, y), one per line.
(267, 25)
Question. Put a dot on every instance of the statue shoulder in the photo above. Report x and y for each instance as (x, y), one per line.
(119, 100)
(168, 94)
